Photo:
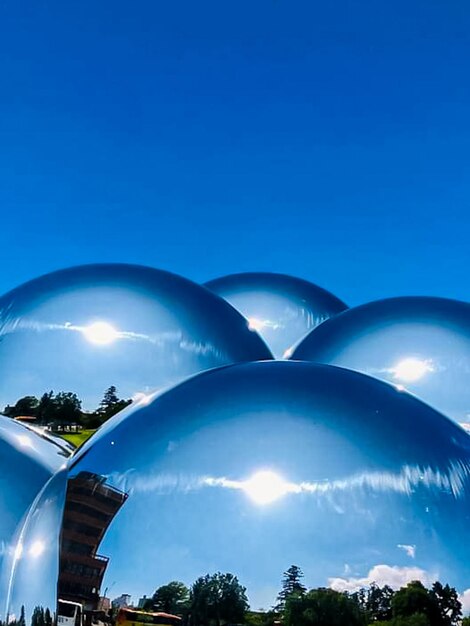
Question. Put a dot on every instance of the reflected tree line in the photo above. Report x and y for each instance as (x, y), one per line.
(62, 409)
(39, 617)
(220, 600)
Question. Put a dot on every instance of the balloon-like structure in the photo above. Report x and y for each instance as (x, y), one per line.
(281, 308)
(219, 457)
(419, 344)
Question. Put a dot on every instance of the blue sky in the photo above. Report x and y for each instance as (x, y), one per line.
(326, 140)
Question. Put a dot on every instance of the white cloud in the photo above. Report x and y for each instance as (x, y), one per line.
(465, 600)
(391, 575)
(410, 550)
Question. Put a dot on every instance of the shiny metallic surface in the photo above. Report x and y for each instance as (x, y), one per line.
(248, 469)
(420, 344)
(282, 308)
(140, 329)
(27, 461)
(30, 572)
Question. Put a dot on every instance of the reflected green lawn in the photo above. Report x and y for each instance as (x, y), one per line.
(77, 439)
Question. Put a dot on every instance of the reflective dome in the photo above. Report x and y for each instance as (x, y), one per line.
(283, 309)
(248, 469)
(87, 328)
(27, 461)
(419, 344)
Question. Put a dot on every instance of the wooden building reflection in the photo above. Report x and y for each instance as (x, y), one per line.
(90, 507)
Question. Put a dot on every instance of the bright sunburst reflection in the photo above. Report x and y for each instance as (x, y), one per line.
(255, 324)
(18, 551)
(37, 548)
(100, 333)
(25, 441)
(410, 370)
(265, 487)
(258, 324)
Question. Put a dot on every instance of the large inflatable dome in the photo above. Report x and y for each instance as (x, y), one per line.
(85, 329)
(281, 308)
(419, 344)
(247, 469)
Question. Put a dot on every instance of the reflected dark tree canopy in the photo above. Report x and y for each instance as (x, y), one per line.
(420, 344)
(85, 328)
(282, 308)
(247, 469)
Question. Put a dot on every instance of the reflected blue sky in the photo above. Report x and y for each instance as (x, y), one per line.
(281, 308)
(85, 328)
(31, 569)
(253, 467)
(419, 344)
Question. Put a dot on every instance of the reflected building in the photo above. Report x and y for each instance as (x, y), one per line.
(143, 601)
(90, 507)
(122, 602)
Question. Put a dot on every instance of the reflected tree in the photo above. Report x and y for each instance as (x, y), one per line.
(375, 602)
(171, 598)
(110, 404)
(322, 607)
(26, 406)
(450, 607)
(291, 585)
(218, 599)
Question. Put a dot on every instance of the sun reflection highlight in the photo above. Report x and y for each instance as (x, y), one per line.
(25, 441)
(255, 324)
(18, 551)
(100, 333)
(410, 370)
(265, 487)
(37, 548)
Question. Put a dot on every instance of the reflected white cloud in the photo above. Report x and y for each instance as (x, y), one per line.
(465, 600)
(143, 399)
(255, 323)
(410, 550)
(102, 333)
(391, 575)
(404, 482)
(266, 486)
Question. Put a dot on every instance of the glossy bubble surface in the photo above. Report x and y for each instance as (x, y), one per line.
(419, 344)
(27, 461)
(283, 309)
(86, 328)
(250, 468)
(33, 564)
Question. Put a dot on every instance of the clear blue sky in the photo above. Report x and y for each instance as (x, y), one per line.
(329, 140)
